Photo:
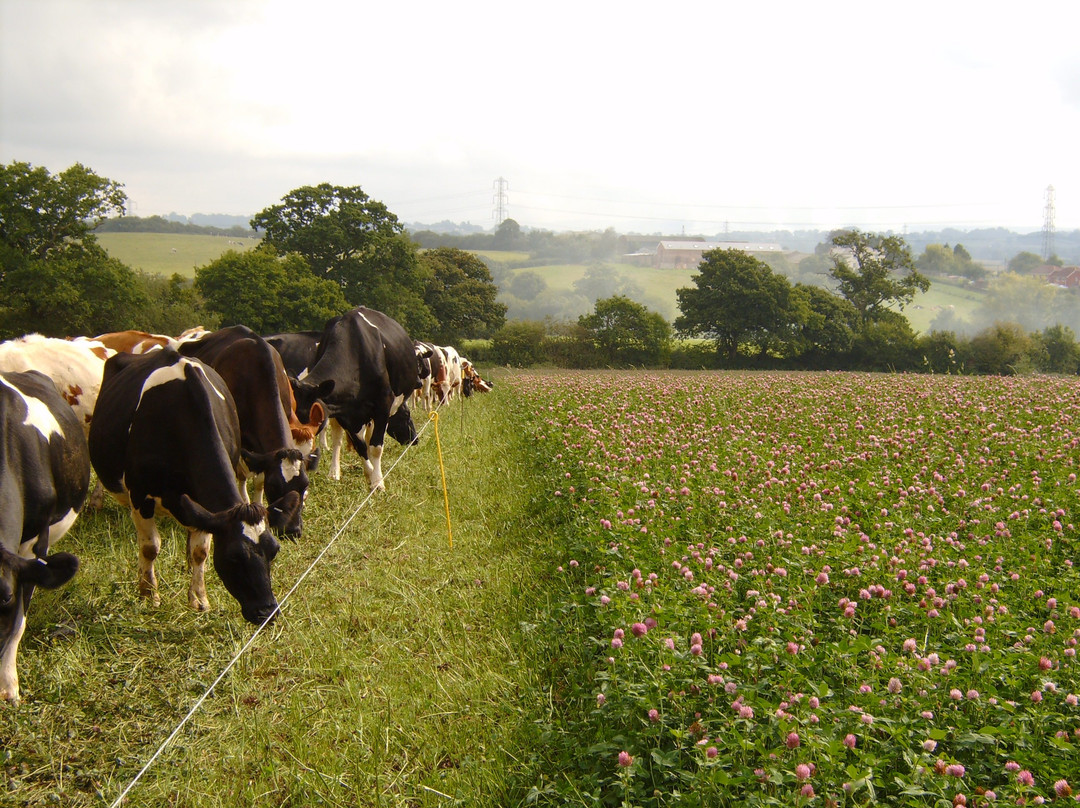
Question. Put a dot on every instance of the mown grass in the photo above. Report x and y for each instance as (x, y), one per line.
(403, 672)
(168, 254)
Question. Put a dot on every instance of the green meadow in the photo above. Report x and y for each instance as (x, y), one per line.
(170, 253)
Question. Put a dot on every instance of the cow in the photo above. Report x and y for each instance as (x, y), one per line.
(471, 379)
(276, 448)
(365, 370)
(453, 371)
(75, 367)
(434, 388)
(138, 342)
(44, 478)
(297, 351)
(166, 437)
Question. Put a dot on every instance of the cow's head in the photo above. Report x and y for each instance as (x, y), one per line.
(18, 576)
(308, 396)
(283, 471)
(400, 427)
(244, 548)
(17, 572)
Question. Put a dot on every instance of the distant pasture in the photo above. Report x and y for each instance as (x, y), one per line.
(168, 254)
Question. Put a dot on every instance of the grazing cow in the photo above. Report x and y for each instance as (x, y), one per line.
(75, 367)
(166, 434)
(44, 477)
(471, 379)
(366, 368)
(453, 371)
(434, 388)
(274, 452)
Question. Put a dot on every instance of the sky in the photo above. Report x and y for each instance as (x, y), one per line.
(696, 117)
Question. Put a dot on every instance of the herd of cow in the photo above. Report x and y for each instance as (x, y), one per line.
(179, 426)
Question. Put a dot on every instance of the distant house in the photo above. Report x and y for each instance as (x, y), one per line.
(1068, 277)
(687, 254)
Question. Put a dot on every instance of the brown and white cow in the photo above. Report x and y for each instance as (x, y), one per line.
(44, 477)
(277, 448)
(139, 342)
(75, 367)
(166, 438)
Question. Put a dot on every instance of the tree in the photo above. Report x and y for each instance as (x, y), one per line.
(1025, 263)
(825, 323)
(54, 278)
(508, 235)
(267, 292)
(883, 275)
(461, 296)
(735, 299)
(602, 280)
(41, 213)
(1059, 349)
(79, 290)
(355, 241)
(527, 284)
(518, 343)
(624, 331)
(938, 259)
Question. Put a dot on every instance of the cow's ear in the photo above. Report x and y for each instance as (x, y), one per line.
(48, 573)
(257, 463)
(424, 351)
(317, 417)
(190, 513)
(324, 389)
(281, 513)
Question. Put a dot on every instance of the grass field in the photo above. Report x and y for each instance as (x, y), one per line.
(665, 589)
(401, 671)
(167, 253)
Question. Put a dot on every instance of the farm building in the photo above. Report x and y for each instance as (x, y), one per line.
(687, 254)
(1068, 277)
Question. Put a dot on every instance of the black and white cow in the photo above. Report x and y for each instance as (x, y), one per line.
(44, 478)
(166, 436)
(366, 368)
(270, 448)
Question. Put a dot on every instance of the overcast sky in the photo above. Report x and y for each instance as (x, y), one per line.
(644, 117)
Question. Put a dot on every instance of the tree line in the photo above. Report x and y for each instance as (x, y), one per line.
(325, 249)
(740, 313)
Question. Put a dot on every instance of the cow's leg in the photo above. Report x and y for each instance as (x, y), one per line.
(376, 432)
(149, 541)
(198, 552)
(337, 434)
(9, 676)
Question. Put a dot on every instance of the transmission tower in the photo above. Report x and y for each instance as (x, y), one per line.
(1048, 224)
(499, 200)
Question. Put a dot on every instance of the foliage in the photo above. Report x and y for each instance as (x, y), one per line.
(825, 324)
(507, 235)
(1024, 263)
(603, 281)
(173, 305)
(939, 260)
(1060, 349)
(1004, 349)
(736, 299)
(527, 285)
(518, 343)
(76, 290)
(461, 296)
(42, 213)
(625, 332)
(354, 241)
(883, 275)
(268, 292)
(159, 224)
